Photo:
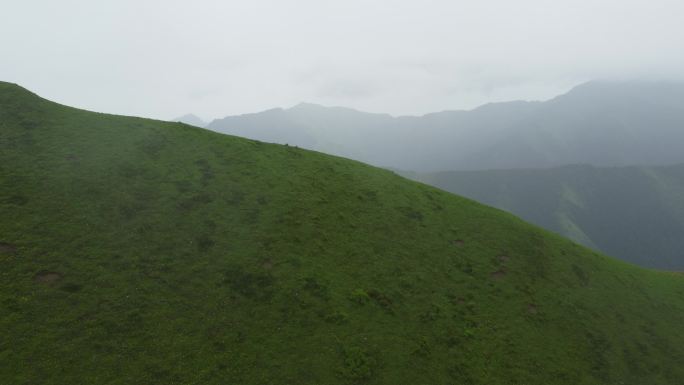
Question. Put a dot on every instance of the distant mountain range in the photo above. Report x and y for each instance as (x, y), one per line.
(634, 213)
(599, 123)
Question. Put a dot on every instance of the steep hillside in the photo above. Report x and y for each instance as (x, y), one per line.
(138, 251)
(633, 213)
(599, 123)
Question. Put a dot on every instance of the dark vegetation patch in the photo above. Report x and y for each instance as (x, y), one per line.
(205, 171)
(599, 351)
(313, 286)
(204, 243)
(235, 197)
(253, 285)
(434, 201)
(132, 171)
(462, 375)
(195, 201)
(581, 275)
(16, 200)
(183, 186)
(656, 340)
(458, 242)
(130, 210)
(422, 348)
(411, 213)
(11, 305)
(431, 314)
(467, 268)
(371, 196)
(29, 124)
(72, 287)
(381, 299)
(153, 144)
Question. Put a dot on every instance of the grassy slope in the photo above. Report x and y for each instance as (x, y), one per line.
(189, 257)
(634, 213)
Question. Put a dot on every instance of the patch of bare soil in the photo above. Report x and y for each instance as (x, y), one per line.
(499, 274)
(458, 242)
(7, 248)
(267, 264)
(503, 258)
(47, 277)
(532, 308)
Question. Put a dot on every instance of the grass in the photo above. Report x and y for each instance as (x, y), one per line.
(181, 256)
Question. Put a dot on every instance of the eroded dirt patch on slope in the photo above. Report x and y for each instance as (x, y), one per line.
(47, 277)
(7, 248)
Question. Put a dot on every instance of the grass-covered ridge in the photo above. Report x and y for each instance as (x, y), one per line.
(138, 251)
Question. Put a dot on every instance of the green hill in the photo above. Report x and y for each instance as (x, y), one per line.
(633, 213)
(138, 251)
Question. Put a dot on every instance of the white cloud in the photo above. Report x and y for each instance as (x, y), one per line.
(165, 58)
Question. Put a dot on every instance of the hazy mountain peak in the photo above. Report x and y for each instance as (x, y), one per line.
(500, 106)
(616, 88)
(313, 108)
(191, 119)
(307, 106)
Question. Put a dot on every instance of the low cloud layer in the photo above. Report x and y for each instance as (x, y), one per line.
(165, 58)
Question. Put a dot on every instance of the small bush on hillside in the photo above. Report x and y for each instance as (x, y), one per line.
(337, 317)
(359, 296)
(381, 299)
(358, 365)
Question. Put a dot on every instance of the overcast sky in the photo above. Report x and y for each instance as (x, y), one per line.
(164, 58)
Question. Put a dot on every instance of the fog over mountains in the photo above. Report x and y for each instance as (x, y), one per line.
(599, 123)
